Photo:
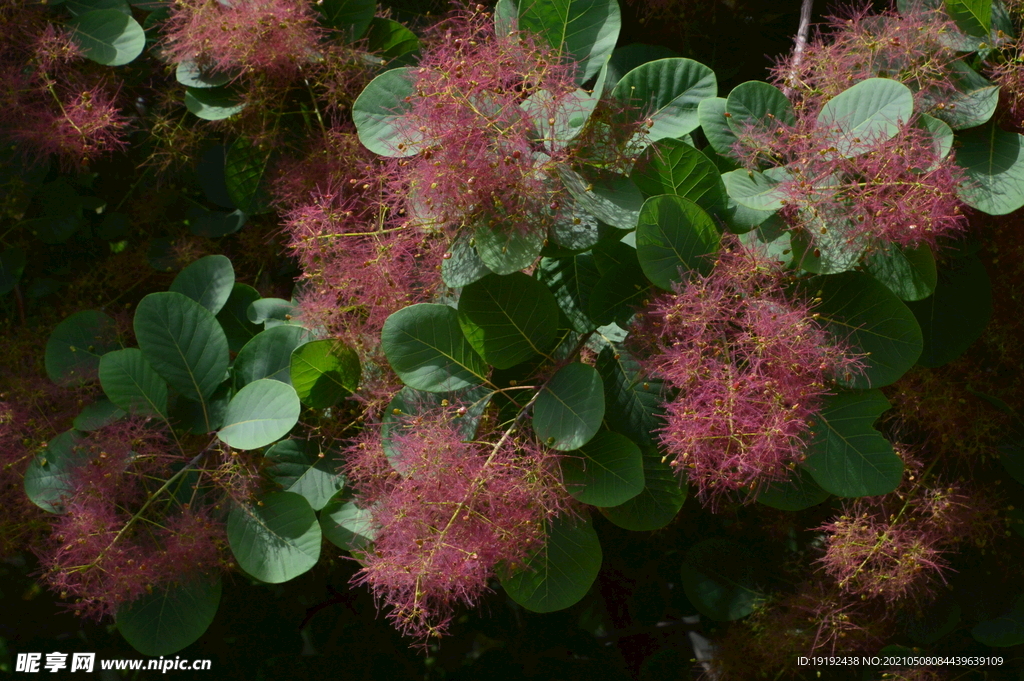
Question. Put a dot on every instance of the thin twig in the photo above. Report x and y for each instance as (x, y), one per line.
(801, 43)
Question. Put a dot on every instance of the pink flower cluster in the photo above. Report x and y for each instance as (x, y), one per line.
(751, 367)
(49, 101)
(458, 514)
(894, 546)
(96, 555)
(270, 37)
(479, 159)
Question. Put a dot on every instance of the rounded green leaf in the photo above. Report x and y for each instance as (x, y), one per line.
(633, 400)
(957, 313)
(345, 524)
(971, 104)
(847, 456)
(260, 413)
(392, 41)
(973, 17)
(910, 273)
(674, 236)
(569, 409)
(508, 319)
(189, 74)
(562, 571)
(247, 177)
(108, 36)
(674, 167)
(612, 198)
(200, 418)
(795, 494)
(234, 318)
(505, 248)
(277, 540)
(754, 190)
(462, 265)
(324, 371)
(271, 311)
(171, 618)
(571, 280)
(719, 579)
(352, 17)
(618, 294)
(182, 340)
(73, 351)
(50, 476)
(425, 346)
(860, 311)
(302, 467)
(870, 112)
(715, 125)
(77, 7)
(607, 471)
(993, 161)
(667, 92)
(759, 106)
(97, 415)
(208, 281)
(584, 31)
(1004, 631)
(657, 503)
(212, 104)
(379, 114)
(132, 384)
(269, 355)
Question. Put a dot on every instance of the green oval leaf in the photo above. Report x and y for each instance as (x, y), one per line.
(182, 340)
(973, 17)
(848, 457)
(269, 355)
(1004, 631)
(584, 31)
(12, 265)
(379, 114)
(247, 177)
(870, 112)
(505, 248)
(171, 618)
(346, 525)
(659, 501)
(97, 415)
(862, 312)
(189, 74)
(271, 312)
(993, 160)
(667, 92)
(74, 349)
(462, 265)
(612, 198)
(108, 36)
(392, 41)
(208, 281)
(719, 579)
(324, 371)
(607, 471)
(754, 190)
(302, 467)
(132, 384)
(425, 346)
(756, 105)
(618, 294)
(212, 104)
(673, 237)
(352, 17)
(957, 313)
(715, 125)
(234, 318)
(674, 167)
(277, 540)
(508, 319)
(909, 273)
(634, 401)
(570, 280)
(569, 409)
(260, 413)
(50, 476)
(561, 572)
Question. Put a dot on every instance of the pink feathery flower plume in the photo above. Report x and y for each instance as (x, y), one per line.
(458, 513)
(751, 367)
(272, 37)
